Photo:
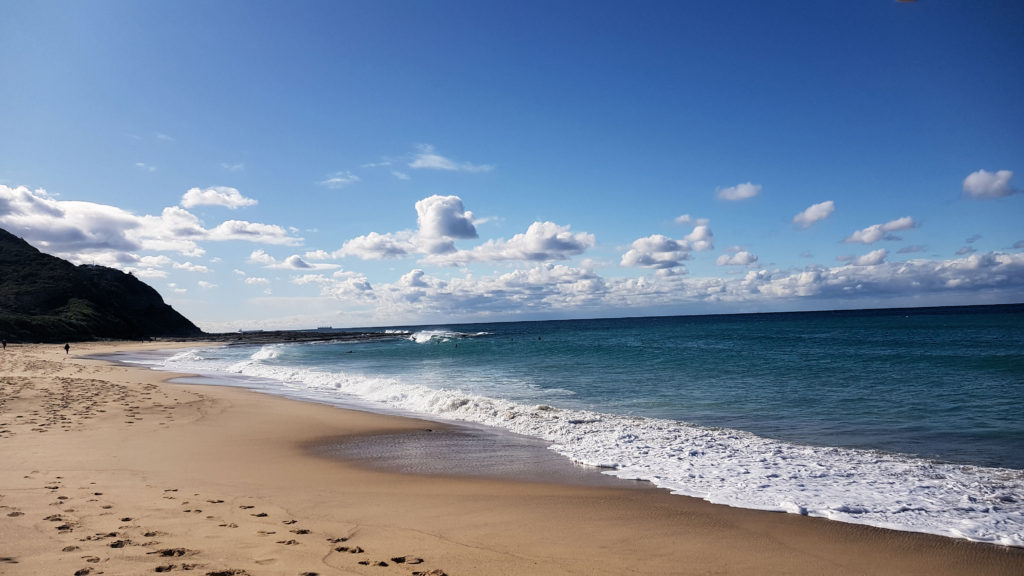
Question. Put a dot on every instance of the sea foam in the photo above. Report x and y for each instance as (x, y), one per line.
(719, 465)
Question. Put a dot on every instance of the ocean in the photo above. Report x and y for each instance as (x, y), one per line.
(910, 419)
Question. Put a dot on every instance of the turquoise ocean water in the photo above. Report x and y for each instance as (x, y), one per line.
(910, 419)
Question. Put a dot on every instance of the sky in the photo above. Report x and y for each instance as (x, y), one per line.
(273, 165)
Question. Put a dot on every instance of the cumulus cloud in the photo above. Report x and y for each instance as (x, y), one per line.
(376, 246)
(441, 221)
(252, 232)
(740, 258)
(666, 255)
(348, 285)
(546, 287)
(339, 180)
(293, 262)
(190, 267)
(877, 232)
(873, 258)
(701, 238)
(99, 233)
(67, 227)
(427, 158)
(656, 252)
(739, 192)
(257, 281)
(985, 184)
(444, 217)
(216, 196)
(542, 241)
(814, 213)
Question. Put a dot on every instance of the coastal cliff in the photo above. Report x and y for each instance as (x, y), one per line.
(46, 299)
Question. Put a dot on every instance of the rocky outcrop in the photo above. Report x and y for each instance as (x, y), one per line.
(46, 299)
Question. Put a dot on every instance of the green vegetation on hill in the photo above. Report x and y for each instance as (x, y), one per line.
(46, 299)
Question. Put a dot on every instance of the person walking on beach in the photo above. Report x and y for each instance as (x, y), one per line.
(4, 343)
(67, 348)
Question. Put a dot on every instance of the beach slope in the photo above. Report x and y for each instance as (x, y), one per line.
(112, 470)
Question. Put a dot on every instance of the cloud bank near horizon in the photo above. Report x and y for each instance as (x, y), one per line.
(548, 271)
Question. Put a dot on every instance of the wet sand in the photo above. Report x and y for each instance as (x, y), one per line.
(113, 470)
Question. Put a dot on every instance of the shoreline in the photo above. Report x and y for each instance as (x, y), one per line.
(133, 466)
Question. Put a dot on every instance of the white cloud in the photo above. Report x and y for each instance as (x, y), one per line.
(400, 175)
(317, 255)
(542, 241)
(190, 267)
(877, 232)
(814, 213)
(206, 285)
(701, 238)
(293, 262)
(656, 252)
(233, 167)
(444, 217)
(257, 280)
(687, 219)
(441, 220)
(873, 258)
(145, 167)
(349, 285)
(985, 184)
(216, 196)
(414, 278)
(661, 253)
(252, 232)
(428, 159)
(339, 180)
(86, 232)
(375, 246)
(739, 192)
(67, 227)
(741, 258)
(547, 288)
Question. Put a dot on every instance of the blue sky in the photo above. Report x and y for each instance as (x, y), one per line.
(268, 165)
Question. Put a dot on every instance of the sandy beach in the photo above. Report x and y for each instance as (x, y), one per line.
(108, 469)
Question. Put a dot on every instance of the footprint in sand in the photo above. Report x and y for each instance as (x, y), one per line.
(173, 552)
(350, 550)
